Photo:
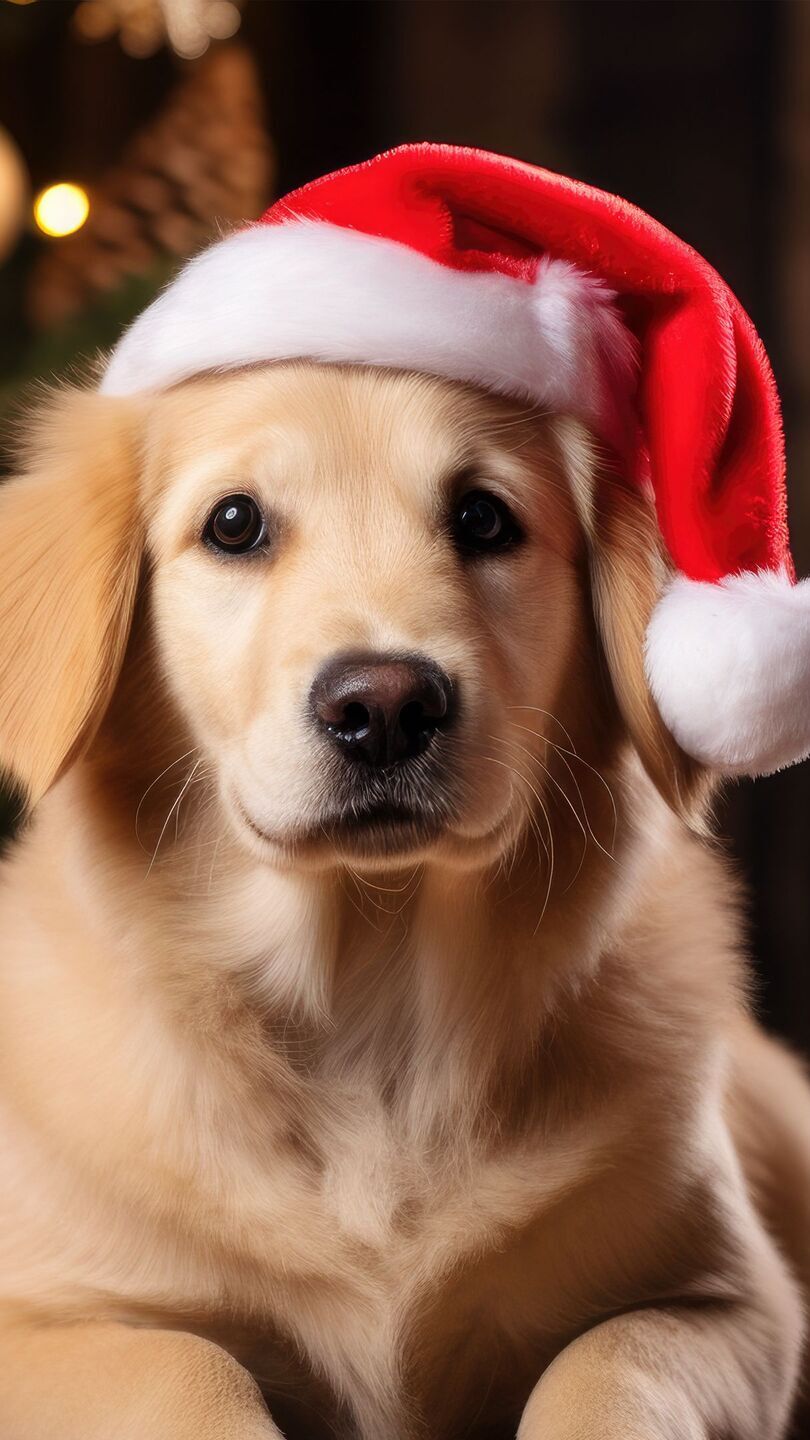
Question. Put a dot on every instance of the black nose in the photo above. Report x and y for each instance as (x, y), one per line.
(382, 709)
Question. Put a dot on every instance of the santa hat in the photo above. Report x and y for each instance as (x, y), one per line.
(458, 263)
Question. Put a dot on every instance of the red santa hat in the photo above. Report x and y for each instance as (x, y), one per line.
(458, 263)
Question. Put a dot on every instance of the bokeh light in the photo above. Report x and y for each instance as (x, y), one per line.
(61, 209)
(13, 193)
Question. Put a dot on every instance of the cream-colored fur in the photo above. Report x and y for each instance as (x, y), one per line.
(457, 1142)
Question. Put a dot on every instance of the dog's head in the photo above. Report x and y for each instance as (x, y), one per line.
(386, 609)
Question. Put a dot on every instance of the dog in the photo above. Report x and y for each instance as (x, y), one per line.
(377, 1053)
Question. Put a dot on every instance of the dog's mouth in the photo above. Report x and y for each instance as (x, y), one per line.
(373, 830)
(382, 829)
(380, 816)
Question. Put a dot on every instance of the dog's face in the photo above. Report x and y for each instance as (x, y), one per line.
(381, 605)
(366, 592)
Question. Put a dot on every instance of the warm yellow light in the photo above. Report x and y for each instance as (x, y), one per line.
(61, 209)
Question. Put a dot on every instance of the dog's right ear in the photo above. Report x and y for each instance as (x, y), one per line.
(71, 551)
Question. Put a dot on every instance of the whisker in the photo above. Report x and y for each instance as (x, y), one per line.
(574, 755)
(347, 871)
(568, 801)
(548, 847)
(553, 718)
(151, 786)
(175, 806)
(555, 782)
(387, 889)
(408, 890)
(611, 797)
(562, 753)
(518, 776)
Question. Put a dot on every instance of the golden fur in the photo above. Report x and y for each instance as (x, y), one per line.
(473, 1138)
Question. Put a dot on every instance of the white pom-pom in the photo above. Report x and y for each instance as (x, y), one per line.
(728, 665)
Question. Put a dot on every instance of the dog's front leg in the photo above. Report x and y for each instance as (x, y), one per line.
(690, 1372)
(114, 1382)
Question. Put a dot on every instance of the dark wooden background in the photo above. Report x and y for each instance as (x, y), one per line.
(696, 110)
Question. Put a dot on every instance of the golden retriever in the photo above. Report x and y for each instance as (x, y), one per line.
(376, 1058)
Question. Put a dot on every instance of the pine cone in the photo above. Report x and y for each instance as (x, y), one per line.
(205, 164)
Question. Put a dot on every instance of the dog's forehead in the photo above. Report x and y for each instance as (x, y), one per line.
(302, 424)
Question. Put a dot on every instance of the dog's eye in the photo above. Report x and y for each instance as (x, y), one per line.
(484, 522)
(235, 525)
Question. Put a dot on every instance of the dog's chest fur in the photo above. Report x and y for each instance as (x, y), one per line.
(413, 1250)
(420, 1286)
(395, 1209)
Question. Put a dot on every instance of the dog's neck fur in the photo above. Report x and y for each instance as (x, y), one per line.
(407, 984)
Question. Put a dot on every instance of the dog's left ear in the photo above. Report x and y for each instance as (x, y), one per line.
(628, 570)
(71, 557)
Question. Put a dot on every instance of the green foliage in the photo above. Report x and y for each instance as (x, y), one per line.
(72, 348)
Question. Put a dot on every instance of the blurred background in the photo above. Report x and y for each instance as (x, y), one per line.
(132, 130)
